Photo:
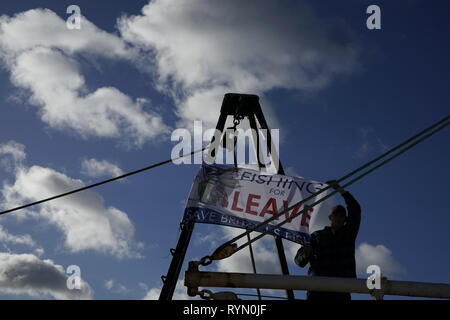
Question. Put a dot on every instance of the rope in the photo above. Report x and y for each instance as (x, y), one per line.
(347, 184)
(262, 224)
(262, 296)
(252, 258)
(101, 182)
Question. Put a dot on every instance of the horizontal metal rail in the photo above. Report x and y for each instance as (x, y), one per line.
(195, 279)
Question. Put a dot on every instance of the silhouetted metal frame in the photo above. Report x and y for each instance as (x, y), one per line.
(233, 104)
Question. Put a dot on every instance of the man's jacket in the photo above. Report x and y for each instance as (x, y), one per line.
(334, 254)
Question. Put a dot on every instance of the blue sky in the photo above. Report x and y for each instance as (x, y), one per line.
(339, 93)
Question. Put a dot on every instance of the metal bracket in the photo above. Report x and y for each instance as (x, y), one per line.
(192, 267)
(378, 294)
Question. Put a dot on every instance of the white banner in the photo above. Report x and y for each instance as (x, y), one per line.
(242, 198)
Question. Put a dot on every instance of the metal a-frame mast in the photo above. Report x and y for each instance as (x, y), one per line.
(239, 106)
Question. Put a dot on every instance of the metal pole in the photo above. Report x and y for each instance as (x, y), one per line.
(253, 264)
(170, 280)
(273, 151)
(283, 263)
(275, 157)
(310, 283)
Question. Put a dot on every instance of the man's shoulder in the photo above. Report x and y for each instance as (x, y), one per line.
(318, 233)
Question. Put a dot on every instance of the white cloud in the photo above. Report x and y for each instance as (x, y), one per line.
(204, 49)
(370, 144)
(15, 153)
(379, 255)
(143, 286)
(42, 27)
(55, 82)
(265, 254)
(39, 251)
(40, 52)
(28, 274)
(109, 284)
(266, 258)
(180, 292)
(116, 287)
(100, 168)
(25, 239)
(87, 224)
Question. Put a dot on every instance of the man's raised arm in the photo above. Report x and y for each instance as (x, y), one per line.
(353, 208)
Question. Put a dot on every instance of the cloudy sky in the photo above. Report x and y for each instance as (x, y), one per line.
(78, 106)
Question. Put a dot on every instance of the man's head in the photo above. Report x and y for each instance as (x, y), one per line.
(338, 217)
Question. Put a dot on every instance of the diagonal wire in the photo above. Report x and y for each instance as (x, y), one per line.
(346, 185)
(101, 182)
(258, 226)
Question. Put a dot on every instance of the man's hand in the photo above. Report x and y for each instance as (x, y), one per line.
(303, 256)
(307, 251)
(335, 185)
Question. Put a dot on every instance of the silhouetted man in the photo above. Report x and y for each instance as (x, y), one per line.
(332, 249)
